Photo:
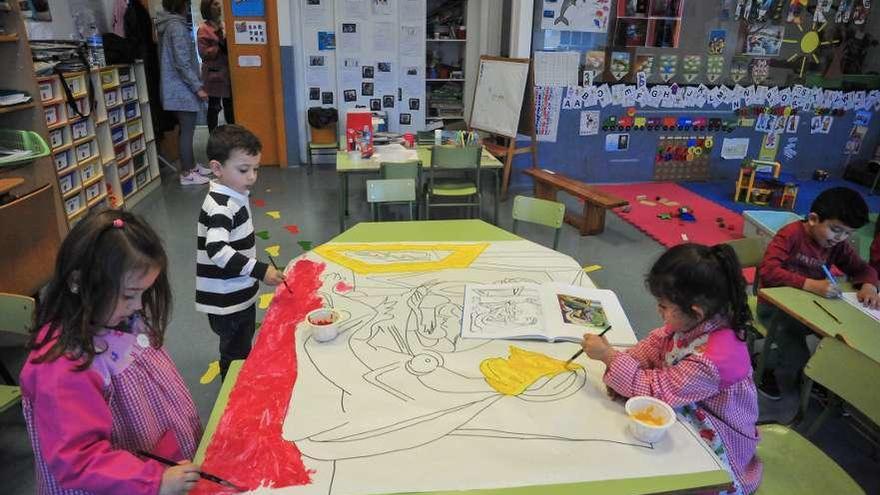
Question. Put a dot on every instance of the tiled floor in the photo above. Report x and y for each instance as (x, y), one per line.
(309, 202)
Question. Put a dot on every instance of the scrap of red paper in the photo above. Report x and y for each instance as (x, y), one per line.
(247, 448)
(259, 203)
(293, 229)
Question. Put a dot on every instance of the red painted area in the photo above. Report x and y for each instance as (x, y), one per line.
(668, 232)
(343, 287)
(259, 203)
(247, 447)
(293, 229)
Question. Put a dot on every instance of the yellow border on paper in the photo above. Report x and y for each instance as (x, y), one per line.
(462, 256)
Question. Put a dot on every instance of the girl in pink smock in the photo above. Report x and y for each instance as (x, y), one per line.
(697, 362)
(98, 387)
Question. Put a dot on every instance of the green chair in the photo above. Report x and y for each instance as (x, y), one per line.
(849, 377)
(792, 464)
(750, 251)
(16, 316)
(404, 170)
(540, 211)
(465, 187)
(390, 191)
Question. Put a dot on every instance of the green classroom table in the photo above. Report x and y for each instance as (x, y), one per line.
(345, 166)
(478, 230)
(858, 330)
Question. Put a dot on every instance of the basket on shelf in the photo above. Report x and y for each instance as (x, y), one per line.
(13, 139)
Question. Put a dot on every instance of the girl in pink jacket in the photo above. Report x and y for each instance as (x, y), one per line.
(698, 361)
(98, 387)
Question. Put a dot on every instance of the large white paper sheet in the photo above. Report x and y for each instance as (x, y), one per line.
(734, 148)
(396, 402)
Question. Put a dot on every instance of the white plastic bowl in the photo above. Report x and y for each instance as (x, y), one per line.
(643, 431)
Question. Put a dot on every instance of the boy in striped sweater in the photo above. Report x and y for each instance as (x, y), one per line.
(227, 271)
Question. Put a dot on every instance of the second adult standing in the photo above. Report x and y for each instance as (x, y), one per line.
(215, 63)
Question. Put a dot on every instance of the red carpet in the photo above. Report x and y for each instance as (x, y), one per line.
(704, 230)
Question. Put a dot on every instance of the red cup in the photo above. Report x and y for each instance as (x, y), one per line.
(409, 139)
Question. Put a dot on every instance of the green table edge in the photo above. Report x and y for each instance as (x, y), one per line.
(425, 230)
(219, 409)
(478, 230)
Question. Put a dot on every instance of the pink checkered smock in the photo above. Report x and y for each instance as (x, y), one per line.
(706, 375)
(84, 426)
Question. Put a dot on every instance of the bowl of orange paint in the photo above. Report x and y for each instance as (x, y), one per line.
(649, 418)
(324, 322)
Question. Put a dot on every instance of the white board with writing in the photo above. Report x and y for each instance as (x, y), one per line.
(499, 96)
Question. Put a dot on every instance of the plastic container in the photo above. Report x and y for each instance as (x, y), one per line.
(765, 223)
(95, 45)
(647, 432)
(22, 140)
(324, 324)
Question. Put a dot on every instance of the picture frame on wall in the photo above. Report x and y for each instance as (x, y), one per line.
(763, 41)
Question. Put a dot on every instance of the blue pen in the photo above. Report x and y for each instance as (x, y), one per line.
(829, 276)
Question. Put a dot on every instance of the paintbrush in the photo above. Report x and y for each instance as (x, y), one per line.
(276, 268)
(578, 353)
(202, 474)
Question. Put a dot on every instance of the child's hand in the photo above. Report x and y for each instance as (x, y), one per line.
(273, 276)
(868, 296)
(597, 347)
(822, 288)
(179, 479)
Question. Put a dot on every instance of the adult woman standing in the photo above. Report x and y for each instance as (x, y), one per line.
(215, 63)
(182, 91)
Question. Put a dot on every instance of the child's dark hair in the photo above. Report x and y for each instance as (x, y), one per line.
(86, 285)
(841, 203)
(205, 9)
(175, 6)
(230, 137)
(708, 277)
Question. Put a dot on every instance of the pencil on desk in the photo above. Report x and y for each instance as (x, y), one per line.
(829, 313)
(276, 268)
(578, 353)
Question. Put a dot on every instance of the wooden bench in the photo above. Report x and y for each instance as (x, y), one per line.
(592, 221)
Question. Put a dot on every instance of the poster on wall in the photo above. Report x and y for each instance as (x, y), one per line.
(316, 13)
(717, 41)
(668, 65)
(644, 64)
(619, 65)
(760, 68)
(714, 67)
(326, 40)
(573, 15)
(764, 41)
(547, 107)
(248, 8)
(557, 68)
(690, 67)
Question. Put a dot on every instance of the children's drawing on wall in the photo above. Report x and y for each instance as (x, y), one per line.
(576, 15)
(714, 67)
(645, 64)
(791, 125)
(583, 312)
(382, 7)
(717, 41)
(619, 65)
(594, 63)
(739, 68)
(765, 40)
(589, 123)
(760, 68)
(690, 67)
(790, 150)
(668, 66)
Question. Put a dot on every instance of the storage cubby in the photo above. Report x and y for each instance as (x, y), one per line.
(112, 98)
(63, 160)
(129, 92)
(648, 23)
(69, 183)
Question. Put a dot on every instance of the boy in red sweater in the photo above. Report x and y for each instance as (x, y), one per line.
(795, 257)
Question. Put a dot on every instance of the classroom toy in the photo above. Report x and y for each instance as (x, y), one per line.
(762, 183)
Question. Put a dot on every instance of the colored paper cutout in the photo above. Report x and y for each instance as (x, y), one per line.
(274, 250)
(305, 245)
(211, 373)
(343, 287)
(274, 214)
(259, 203)
(592, 268)
(265, 300)
(293, 229)
(512, 376)
(399, 257)
(263, 234)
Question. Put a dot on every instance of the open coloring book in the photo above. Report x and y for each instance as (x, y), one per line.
(542, 312)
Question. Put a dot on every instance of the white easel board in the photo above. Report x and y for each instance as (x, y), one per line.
(498, 99)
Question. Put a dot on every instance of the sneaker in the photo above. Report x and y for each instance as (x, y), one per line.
(203, 170)
(193, 179)
(769, 388)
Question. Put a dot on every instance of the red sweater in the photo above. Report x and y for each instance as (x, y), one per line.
(793, 256)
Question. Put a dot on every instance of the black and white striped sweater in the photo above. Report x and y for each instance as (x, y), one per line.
(227, 272)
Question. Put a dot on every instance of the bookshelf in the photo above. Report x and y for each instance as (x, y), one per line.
(446, 46)
(648, 23)
(107, 157)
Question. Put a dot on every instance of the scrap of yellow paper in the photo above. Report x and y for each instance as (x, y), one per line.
(274, 214)
(211, 373)
(512, 376)
(273, 250)
(592, 268)
(265, 299)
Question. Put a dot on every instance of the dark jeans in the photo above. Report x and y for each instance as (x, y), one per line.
(236, 332)
(187, 121)
(214, 111)
(790, 338)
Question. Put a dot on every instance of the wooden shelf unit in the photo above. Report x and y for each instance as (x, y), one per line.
(648, 23)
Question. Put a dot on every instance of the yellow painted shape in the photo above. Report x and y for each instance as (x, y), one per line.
(592, 268)
(274, 214)
(211, 373)
(810, 42)
(265, 300)
(461, 256)
(512, 376)
(273, 250)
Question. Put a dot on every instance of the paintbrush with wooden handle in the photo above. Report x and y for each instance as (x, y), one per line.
(578, 353)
